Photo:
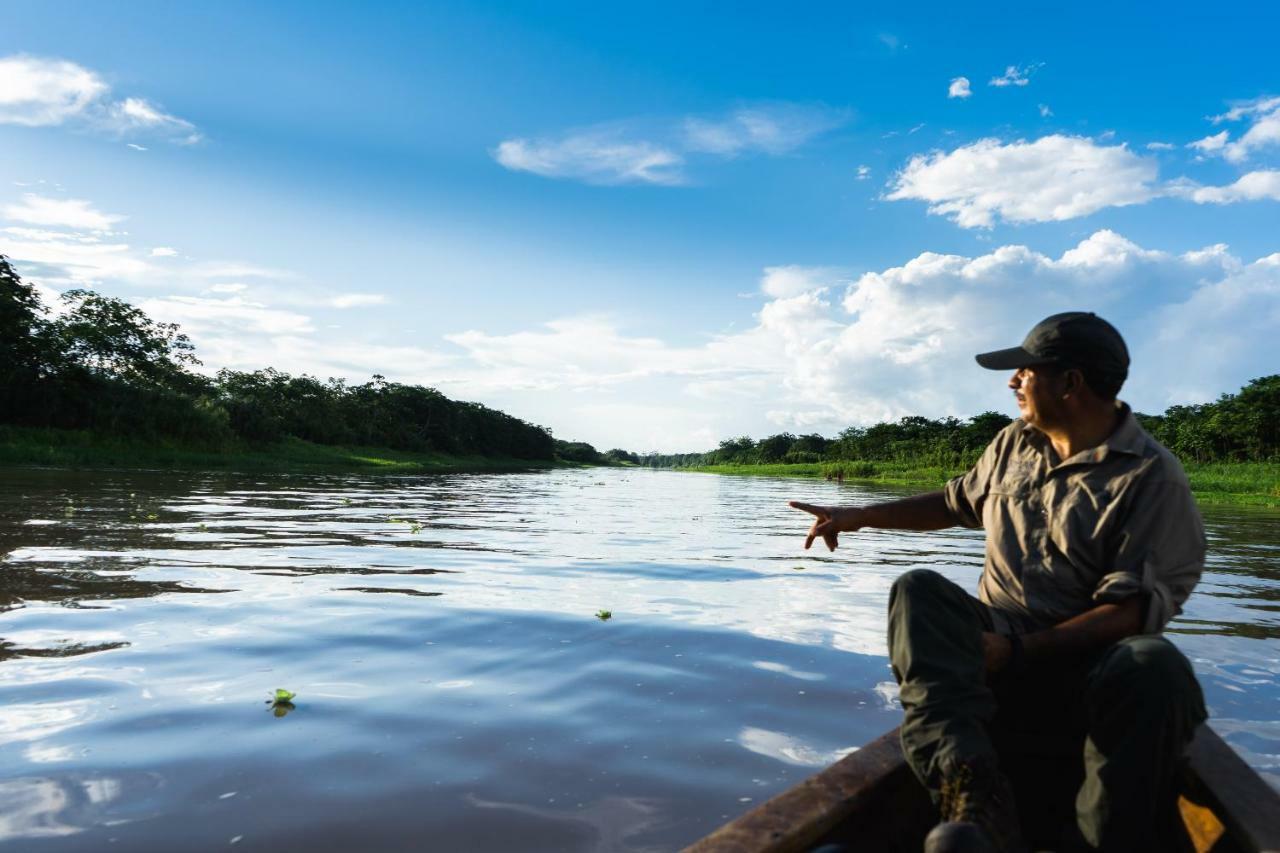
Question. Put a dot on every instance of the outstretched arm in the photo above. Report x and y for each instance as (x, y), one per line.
(922, 512)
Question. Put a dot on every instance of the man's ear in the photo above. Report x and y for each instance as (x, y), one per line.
(1072, 382)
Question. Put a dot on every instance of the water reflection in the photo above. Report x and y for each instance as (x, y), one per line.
(452, 675)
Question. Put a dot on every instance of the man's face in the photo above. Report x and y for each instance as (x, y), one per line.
(1038, 391)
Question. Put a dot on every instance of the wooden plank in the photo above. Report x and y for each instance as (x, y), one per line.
(1248, 807)
(799, 817)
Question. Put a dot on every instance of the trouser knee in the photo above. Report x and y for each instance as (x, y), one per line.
(915, 588)
(1149, 678)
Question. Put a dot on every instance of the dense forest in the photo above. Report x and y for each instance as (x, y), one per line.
(103, 365)
(1241, 427)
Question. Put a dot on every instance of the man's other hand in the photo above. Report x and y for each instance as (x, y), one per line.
(996, 650)
(829, 522)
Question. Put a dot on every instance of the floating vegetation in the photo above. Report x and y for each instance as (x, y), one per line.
(414, 526)
(797, 568)
(282, 703)
(604, 615)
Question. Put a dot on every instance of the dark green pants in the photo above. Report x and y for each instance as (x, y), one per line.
(1129, 712)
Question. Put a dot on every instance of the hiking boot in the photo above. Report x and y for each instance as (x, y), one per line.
(978, 812)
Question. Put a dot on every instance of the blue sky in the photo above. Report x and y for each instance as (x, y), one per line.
(655, 228)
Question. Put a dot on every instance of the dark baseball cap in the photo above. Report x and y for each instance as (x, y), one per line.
(1075, 338)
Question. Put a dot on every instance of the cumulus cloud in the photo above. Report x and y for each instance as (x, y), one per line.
(622, 153)
(1051, 179)
(786, 281)
(1254, 186)
(596, 157)
(959, 88)
(1210, 144)
(1013, 76)
(40, 92)
(899, 341)
(1263, 132)
(864, 172)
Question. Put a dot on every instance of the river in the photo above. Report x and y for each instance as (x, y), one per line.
(456, 689)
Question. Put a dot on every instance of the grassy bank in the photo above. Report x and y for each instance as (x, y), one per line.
(1251, 483)
(78, 449)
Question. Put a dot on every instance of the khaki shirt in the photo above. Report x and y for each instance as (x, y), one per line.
(1063, 536)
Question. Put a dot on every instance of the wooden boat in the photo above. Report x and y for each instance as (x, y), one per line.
(870, 801)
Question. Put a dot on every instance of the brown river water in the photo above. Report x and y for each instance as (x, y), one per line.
(455, 688)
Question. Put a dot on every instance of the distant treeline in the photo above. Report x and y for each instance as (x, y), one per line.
(104, 365)
(1242, 427)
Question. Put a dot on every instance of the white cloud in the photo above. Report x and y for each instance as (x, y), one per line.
(1254, 186)
(163, 252)
(67, 213)
(230, 287)
(1210, 144)
(864, 172)
(136, 147)
(139, 114)
(900, 341)
(596, 157)
(356, 300)
(1263, 132)
(234, 314)
(1160, 146)
(623, 153)
(783, 282)
(1013, 76)
(959, 88)
(775, 129)
(1045, 112)
(38, 92)
(1053, 178)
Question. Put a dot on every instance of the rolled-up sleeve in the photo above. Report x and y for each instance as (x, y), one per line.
(1159, 554)
(965, 494)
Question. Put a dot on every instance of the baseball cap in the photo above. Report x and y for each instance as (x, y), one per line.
(1077, 338)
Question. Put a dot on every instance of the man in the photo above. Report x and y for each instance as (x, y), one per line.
(1093, 542)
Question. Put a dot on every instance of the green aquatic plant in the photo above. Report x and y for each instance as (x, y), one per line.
(282, 703)
(604, 615)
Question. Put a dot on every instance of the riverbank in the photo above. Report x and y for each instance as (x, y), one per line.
(80, 449)
(1239, 483)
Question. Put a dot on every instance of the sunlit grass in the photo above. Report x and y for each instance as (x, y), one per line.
(1244, 483)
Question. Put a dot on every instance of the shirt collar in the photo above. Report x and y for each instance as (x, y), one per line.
(1128, 437)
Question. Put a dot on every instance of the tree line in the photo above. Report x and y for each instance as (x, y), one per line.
(1240, 427)
(103, 365)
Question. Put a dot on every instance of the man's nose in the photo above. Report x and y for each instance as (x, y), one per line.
(1015, 381)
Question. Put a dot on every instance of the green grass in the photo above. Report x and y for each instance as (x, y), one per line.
(1241, 483)
(78, 449)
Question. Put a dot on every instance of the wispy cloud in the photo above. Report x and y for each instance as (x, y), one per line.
(770, 130)
(357, 300)
(1263, 132)
(1014, 76)
(623, 153)
(40, 92)
(59, 213)
(596, 157)
(959, 88)
(1045, 112)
